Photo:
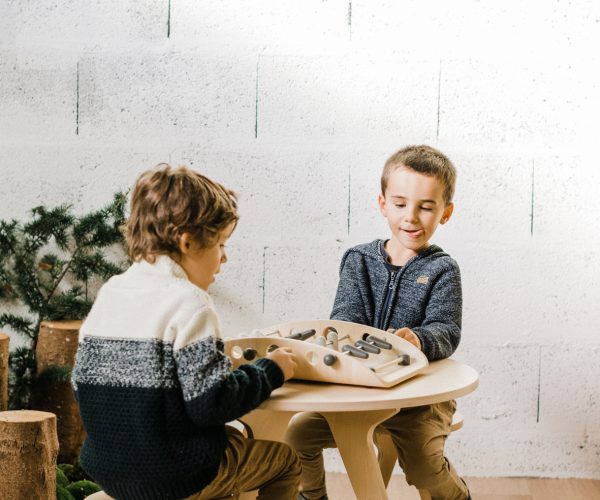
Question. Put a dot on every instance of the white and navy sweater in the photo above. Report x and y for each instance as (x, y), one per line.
(155, 388)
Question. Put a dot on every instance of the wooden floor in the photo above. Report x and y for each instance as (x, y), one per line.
(338, 488)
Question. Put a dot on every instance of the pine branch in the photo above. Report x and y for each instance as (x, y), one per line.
(34, 278)
(49, 270)
(47, 224)
(8, 241)
(26, 282)
(22, 366)
(18, 323)
(94, 264)
(7, 292)
(71, 304)
(58, 279)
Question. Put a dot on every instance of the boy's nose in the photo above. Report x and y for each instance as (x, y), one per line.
(410, 215)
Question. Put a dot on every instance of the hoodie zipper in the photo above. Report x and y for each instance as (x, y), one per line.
(394, 275)
(387, 299)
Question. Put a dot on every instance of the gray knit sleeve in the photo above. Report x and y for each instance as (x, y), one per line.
(440, 331)
(349, 302)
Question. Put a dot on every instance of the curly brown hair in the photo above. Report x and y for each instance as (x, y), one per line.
(425, 160)
(167, 202)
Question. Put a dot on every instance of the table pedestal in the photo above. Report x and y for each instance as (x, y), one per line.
(353, 434)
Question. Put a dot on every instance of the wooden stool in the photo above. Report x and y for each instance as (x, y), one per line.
(387, 452)
(56, 347)
(4, 341)
(28, 451)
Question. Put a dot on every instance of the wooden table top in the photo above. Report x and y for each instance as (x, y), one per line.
(441, 381)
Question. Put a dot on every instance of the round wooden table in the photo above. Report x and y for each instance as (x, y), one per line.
(353, 413)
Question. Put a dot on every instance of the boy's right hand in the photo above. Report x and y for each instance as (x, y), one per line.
(285, 359)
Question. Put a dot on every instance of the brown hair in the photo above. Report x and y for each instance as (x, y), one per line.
(167, 202)
(424, 160)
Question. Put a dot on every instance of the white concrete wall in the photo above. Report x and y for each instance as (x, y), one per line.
(296, 105)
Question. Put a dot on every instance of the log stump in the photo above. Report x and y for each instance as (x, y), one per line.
(28, 451)
(4, 340)
(56, 349)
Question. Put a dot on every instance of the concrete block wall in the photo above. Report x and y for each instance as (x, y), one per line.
(296, 105)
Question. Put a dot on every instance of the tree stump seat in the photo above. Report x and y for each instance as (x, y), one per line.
(28, 451)
(4, 341)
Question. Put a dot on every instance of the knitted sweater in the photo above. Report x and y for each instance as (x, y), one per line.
(155, 388)
(424, 295)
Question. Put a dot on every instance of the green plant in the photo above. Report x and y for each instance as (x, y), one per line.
(47, 265)
(82, 489)
(74, 472)
(61, 478)
(63, 493)
(72, 483)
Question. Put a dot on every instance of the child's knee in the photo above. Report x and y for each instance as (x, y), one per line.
(306, 430)
(421, 471)
(295, 431)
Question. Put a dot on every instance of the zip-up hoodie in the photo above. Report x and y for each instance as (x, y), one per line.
(424, 295)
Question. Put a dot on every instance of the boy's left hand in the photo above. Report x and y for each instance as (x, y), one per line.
(408, 335)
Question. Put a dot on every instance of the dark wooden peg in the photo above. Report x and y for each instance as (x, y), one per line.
(329, 359)
(249, 354)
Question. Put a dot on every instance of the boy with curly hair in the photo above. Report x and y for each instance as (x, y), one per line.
(153, 384)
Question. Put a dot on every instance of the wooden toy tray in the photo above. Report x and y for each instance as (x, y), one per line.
(334, 351)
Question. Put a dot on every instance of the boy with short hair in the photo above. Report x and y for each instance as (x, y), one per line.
(153, 384)
(406, 285)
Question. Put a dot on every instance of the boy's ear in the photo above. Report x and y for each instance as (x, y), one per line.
(185, 243)
(447, 213)
(381, 203)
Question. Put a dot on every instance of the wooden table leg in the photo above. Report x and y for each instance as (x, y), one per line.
(353, 434)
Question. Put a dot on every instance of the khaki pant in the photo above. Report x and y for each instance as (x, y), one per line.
(252, 464)
(419, 435)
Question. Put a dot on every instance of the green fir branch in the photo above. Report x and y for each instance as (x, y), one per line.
(47, 224)
(102, 228)
(63, 271)
(70, 304)
(18, 324)
(49, 270)
(27, 283)
(7, 292)
(94, 264)
(22, 367)
(8, 240)
(53, 285)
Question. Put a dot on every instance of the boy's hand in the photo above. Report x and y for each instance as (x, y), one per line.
(285, 359)
(408, 335)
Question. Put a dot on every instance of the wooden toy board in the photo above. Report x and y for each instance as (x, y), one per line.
(384, 359)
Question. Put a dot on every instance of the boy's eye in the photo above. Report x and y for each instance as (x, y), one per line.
(427, 209)
(400, 205)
